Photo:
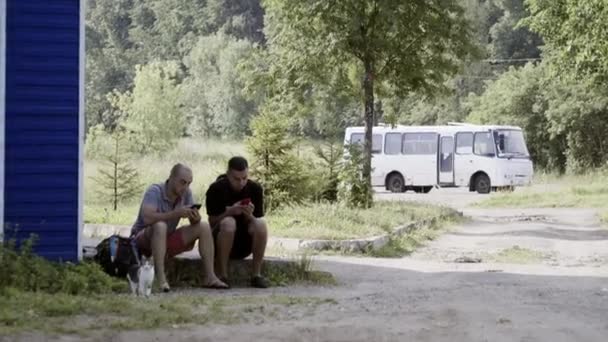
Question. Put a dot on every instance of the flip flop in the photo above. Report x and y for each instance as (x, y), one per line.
(225, 281)
(216, 286)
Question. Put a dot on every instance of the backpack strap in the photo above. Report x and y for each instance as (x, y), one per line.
(135, 250)
(113, 242)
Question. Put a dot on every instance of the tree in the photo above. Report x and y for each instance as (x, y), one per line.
(213, 92)
(575, 33)
(411, 45)
(510, 40)
(578, 111)
(167, 29)
(109, 59)
(353, 190)
(281, 173)
(242, 19)
(517, 98)
(330, 156)
(153, 111)
(565, 122)
(118, 179)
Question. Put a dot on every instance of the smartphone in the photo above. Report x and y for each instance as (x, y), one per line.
(246, 201)
(196, 206)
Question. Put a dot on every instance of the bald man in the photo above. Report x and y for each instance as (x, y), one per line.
(156, 232)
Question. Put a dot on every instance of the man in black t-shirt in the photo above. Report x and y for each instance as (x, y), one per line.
(235, 205)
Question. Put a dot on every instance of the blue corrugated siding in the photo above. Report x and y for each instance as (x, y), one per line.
(42, 124)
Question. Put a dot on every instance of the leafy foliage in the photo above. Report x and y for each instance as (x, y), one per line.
(575, 33)
(214, 102)
(510, 40)
(353, 190)
(564, 121)
(516, 99)
(153, 112)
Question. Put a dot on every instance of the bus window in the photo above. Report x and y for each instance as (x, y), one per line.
(392, 143)
(483, 144)
(464, 143)
(359, 138)
(419, 143)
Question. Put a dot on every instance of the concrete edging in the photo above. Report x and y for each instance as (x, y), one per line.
(365, 244)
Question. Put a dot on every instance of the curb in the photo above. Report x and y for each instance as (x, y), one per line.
(366, 244)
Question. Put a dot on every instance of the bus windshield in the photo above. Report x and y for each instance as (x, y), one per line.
(510, 143)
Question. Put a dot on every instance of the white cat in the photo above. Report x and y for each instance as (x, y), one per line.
(141, 277)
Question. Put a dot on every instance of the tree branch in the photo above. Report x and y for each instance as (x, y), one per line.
(393, 57)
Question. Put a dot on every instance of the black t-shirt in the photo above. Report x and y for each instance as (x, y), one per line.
(221, 195)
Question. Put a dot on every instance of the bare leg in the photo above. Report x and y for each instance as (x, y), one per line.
(259, 232)
(225, 239)
(202, 233)
(158, 233)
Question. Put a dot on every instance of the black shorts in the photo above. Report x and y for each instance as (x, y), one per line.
(243, 241)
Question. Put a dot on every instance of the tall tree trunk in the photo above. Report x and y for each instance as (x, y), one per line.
(368, 91)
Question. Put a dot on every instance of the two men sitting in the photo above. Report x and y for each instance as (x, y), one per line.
(236, 229)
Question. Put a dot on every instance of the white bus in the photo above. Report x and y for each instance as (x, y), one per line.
(418, 158)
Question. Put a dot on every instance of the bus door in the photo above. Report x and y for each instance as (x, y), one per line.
(446, 160)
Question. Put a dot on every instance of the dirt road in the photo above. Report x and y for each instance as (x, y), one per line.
(559, 293)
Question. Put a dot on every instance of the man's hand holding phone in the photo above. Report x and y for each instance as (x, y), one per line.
(242, 207)
(194, 215)
(247, 207)
(183, 212)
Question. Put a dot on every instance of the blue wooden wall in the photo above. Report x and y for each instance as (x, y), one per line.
(42, 125)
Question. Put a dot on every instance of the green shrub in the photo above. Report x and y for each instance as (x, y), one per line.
(22, 269)
(353, 190)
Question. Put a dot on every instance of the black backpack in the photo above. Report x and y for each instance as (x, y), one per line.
(117, 254)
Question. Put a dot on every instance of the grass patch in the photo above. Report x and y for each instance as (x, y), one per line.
(289, 269)
(336, 222)
(313, 221)
(517, 255)
(581, 191)
(299, 271)
(66, 314)
(604, 217)
(103, 214)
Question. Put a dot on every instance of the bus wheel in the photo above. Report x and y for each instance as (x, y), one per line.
(482, 184)
(395, 183)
